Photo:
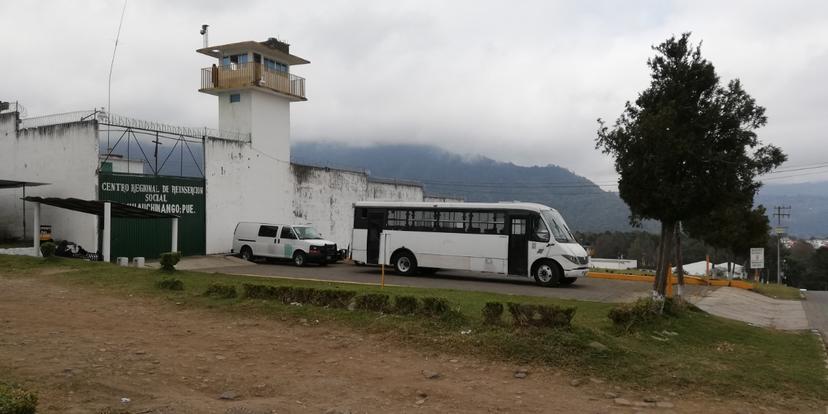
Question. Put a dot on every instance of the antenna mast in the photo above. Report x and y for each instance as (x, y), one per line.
(204, 33)
(112, 65)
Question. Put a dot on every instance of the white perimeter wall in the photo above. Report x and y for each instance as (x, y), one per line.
(66, 156)
(242, 185)
(324, 197)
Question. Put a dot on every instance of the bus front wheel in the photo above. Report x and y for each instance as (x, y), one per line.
(405, 263)
(547, 274)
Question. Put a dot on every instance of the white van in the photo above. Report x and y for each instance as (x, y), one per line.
(300, 243)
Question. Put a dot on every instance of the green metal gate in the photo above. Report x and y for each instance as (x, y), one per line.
(182, 196)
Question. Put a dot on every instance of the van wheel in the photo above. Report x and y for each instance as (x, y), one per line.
(547, 274)
(299, 259)
(405, 264)
(247, 253)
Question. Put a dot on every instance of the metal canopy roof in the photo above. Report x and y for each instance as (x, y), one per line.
(261, 47)
(18, 184)
(96, 207)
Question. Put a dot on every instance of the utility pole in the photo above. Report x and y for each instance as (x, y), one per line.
(779, 212)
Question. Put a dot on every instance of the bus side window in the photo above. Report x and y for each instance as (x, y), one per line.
(518, 226)
(499, 223)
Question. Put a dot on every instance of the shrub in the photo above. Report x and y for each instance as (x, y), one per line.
(252, 291)
(546, 316)
(169, 260)
(333, 298)
(170, 283)
(435, 306)
(282, 293)
(48, 249)
(643, 311)
(302, 295)
(221, 291)
(405, 305)
(15, 400)
(376, 302)
(492, 312)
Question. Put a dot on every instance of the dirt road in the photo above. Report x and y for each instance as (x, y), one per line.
(84, 350)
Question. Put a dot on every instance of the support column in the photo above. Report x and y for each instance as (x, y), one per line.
(36, 229)
(107, 230)
(174, 235)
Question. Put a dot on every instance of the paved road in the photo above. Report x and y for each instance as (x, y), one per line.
(597, 290)
(816, 308)
(755, 309)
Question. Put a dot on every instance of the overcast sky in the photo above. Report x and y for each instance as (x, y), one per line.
(520, 81)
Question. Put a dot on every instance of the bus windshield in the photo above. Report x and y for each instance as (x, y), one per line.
(558, 226)
(307, 233)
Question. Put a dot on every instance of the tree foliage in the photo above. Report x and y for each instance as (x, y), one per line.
(735, 228)
(687, 146)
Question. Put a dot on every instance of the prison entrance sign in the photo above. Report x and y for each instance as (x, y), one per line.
(181, 196)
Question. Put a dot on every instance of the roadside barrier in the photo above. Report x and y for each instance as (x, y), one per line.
(688, 280)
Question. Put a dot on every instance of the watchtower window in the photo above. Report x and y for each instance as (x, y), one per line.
(234, 59)
(275, 66)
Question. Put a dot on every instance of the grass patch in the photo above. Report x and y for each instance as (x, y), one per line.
(16, 400)
(776, 291)
(691, 351)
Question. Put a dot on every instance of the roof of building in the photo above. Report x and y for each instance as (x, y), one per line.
(267, 48)
(96, 207)
(18, 184)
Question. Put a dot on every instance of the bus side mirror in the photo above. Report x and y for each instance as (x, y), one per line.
(542, 236)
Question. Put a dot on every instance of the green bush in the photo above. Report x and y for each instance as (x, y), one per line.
(405, 305)
(435, 307)
(492, 313)
(169, 260)
(48, 249)
(544, 316)
(644, 311)
(169, 283)
(303, 295)
(333, 298)
(221, 291)
(375, 302)
(15, 400)
(252, 291)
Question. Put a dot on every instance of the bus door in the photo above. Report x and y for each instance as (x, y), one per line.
(518, 244)
(376, 222)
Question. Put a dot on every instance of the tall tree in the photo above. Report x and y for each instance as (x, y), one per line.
(686, 144)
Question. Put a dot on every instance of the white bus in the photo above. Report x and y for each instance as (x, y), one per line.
(521, 239)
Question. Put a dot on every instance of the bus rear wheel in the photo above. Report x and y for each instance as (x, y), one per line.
(404, 263)
(548, 274)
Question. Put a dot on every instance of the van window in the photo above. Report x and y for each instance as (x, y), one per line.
(268, 231)
(287, 233)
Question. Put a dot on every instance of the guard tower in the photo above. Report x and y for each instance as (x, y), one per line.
(254, 86)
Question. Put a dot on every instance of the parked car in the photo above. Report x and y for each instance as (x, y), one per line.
(298, 242)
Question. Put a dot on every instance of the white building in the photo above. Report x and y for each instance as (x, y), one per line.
(247, 173)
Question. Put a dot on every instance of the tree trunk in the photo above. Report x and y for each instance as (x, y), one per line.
(679, 263)
(665, 250)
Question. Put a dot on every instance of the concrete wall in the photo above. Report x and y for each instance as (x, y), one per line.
(242, 184)
(618, 264)
(443, 199)
(324, 197)
(248, 181)
(66, 157)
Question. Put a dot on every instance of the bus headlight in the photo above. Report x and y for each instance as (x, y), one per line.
(576, 259)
